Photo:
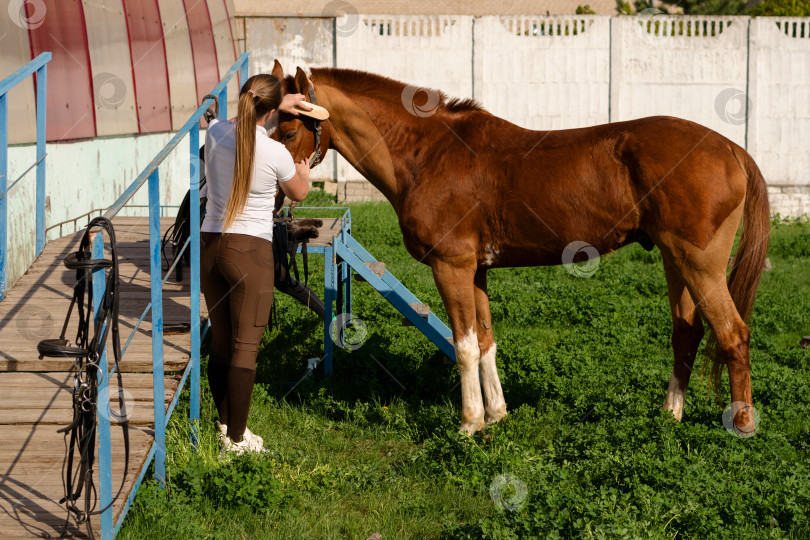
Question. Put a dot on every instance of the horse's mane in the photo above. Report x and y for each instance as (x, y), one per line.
(384, 88)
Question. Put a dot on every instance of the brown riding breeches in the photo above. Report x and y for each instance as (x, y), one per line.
(236, 277)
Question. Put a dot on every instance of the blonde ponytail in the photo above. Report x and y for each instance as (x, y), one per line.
(260, 94)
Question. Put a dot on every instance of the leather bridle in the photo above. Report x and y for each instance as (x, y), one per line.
(87, 350)
(317, 155)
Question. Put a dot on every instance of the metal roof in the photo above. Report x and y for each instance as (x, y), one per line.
(119, 66)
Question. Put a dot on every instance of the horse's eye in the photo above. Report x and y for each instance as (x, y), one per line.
(290, 135)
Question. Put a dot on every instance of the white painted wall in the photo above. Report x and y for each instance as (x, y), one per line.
(544, 72)
(430, 51)
(655, 72)
(85, 175)
(293, 41)
(779, 125)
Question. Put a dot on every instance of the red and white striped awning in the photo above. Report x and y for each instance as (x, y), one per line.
(119, 66)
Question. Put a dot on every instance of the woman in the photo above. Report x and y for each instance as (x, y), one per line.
(243, 167)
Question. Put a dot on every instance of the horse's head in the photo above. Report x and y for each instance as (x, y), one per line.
(303, 136)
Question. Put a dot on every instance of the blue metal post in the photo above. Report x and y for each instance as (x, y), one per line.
(347, 292)
(42, 86)
(3, 198)
(194, 271)
(343, 272)
(157, 327)
(243, 73)
(396, 293)
(346, 277)
(6, 85)
(103, 404)
(329, 294)
(223, 103)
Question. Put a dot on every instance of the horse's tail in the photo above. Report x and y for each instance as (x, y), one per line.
(750, 257)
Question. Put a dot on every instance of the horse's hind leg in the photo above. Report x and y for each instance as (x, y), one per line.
(733, 337)
(495, 405)
(704, 273)
(454, 280)
(687, 332)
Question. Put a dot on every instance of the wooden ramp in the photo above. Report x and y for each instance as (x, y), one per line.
(36, 394)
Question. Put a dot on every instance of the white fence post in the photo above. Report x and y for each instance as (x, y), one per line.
(616, 48)
(689, 67)
(779, 124)
(545, 72)
(478, 50)
(433, 51)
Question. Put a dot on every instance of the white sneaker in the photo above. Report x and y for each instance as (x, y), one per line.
(236, 447)
(250, 441)
(223, 434)
(257, 441)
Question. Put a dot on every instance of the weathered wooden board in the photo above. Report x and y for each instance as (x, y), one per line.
(37, 393)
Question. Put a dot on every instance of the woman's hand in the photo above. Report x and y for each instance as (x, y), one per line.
(302, 169)
(297, 187)
(290, 101)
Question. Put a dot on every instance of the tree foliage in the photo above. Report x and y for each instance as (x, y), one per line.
(686, 7)
(709, 7)
(781, 8)
(767, 8)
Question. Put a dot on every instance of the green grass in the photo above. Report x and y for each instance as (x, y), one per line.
(584, 365)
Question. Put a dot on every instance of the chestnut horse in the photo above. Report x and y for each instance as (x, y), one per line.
(473, 192)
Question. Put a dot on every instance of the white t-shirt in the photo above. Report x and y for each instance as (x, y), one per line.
(271, 163)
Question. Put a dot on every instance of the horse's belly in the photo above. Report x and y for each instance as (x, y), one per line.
(543, 246)
(548, 222)
(509, 256)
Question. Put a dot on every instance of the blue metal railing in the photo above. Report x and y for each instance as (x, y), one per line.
(38, 65)
(343, 256)
(336, 275)
(151, 177)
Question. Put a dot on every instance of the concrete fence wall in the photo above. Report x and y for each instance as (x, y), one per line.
(655, 72)
(544, 72)
(779, 121)
(748, 79)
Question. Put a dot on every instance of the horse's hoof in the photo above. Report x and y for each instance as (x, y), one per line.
(495, 417)
(471, 428)
(741, 419)
(745, 425)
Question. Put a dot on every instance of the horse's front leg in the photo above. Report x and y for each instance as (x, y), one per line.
(491, 382)
(454, 280)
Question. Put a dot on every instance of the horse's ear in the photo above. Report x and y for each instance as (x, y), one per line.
(301, 81)
(278, 71)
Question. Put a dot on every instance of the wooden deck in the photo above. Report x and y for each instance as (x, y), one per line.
(37, 393)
